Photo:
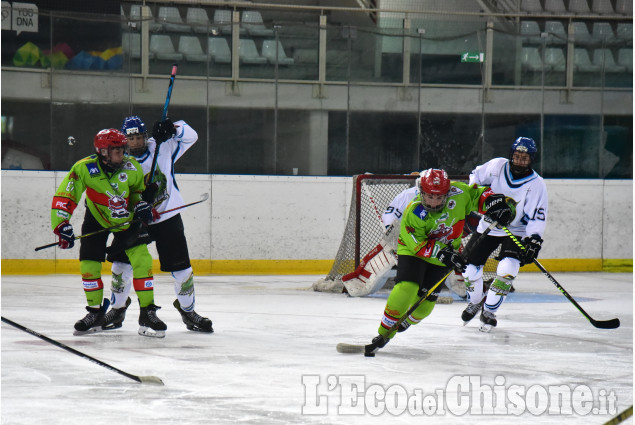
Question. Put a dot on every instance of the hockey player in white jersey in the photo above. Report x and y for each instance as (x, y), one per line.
(169, 141)
(514, 178)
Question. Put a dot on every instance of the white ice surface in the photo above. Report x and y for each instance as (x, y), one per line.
(270, 331)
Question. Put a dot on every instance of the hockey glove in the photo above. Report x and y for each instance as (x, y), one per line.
(452, 259)
(497, 209)
(150, 192)
(143, 211)
(64, 231)
(163, 130)
(532, 248)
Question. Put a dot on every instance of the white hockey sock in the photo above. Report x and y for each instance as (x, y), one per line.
(474, 283)
(121, 284)
(184, 288)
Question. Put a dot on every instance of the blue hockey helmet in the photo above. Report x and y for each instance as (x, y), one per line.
(523, 145)
(133, 126)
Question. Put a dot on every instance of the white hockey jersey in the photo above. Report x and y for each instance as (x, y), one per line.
(529, 192)
(395, 210)
(169, 152)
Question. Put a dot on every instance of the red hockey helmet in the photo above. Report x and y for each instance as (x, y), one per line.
(436, 184)
(107, 139)
(110, 138)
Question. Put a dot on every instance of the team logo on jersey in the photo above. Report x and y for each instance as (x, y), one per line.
(117, 205)
(93, 169)
(128, 166)
(451, 204)
(441, 233)
(454, 191)
(123, 177)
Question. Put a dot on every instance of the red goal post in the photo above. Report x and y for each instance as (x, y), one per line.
(372, 194)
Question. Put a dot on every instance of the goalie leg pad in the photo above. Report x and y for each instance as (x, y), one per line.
(371, 273)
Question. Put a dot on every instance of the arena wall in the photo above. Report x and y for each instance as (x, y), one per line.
(293, 224)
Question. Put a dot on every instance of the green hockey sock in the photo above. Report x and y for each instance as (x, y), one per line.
(401, 298)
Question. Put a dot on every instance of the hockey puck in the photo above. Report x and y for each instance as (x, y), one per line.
(369, 354)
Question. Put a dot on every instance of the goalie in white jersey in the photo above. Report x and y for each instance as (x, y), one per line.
(514, 178)
(169, 142)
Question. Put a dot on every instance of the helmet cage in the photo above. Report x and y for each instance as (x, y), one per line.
(522, 145)
(105, 141)
(132, 126)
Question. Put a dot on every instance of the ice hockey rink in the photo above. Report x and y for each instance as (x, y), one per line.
(272, 358)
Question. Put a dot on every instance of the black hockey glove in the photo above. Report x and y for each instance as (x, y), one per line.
(497, 209)
(143, 211)
(64, 231)
(163, 130)
(452, 259)
(150, 193)
(532, 248)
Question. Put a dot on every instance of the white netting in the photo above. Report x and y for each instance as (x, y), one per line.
(372, 194)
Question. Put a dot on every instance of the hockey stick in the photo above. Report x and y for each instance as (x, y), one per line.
(350, 348)
(624, 415)
(140, 379)
(137, 220)
(601, 324)
(163, 117)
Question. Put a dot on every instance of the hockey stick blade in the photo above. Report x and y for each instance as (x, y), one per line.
(606, 324)
(600, 324)
(141, 379)
(345, 348)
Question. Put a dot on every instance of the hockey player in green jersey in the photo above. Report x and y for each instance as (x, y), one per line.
(113, 182)
(429, 238)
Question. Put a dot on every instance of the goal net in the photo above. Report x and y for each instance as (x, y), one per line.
(372, 194)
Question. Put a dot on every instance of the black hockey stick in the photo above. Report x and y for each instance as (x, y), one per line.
(601, 324)
(140, 379)
(163, 117)
(351, 348)
(137, 220)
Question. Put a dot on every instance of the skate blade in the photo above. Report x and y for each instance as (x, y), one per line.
(198, 329)
(111, 327)
(149, 332)
(349, 348)
(485, 328)
(87, 332)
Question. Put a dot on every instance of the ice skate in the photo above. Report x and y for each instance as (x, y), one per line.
(193, 321)
(488, 321)
(469, 312)
(93, 320)
(115, 317)
(149, 324)
(377, 343)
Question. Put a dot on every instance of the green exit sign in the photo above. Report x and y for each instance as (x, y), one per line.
(472, 57)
